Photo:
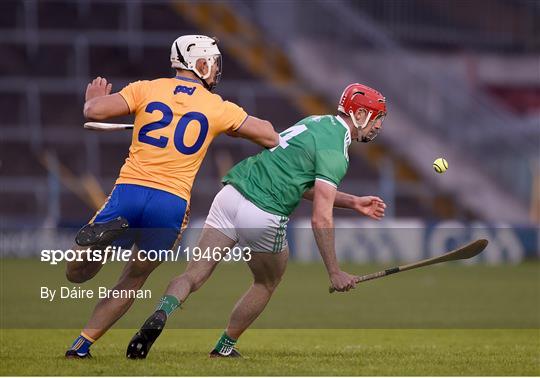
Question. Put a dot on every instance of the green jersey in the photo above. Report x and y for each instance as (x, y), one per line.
(276, 179)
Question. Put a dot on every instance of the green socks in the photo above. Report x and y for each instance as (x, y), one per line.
(168, 303)
(225, 345)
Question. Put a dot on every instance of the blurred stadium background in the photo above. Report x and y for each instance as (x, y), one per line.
(461, 78)
(462, 81)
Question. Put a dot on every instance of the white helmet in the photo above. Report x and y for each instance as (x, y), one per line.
(187, 49)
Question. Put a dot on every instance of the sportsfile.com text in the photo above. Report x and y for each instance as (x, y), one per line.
(118, 254)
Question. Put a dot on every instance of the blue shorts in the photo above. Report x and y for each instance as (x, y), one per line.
(156, 218)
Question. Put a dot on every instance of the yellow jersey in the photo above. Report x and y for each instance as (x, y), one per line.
(176, 119)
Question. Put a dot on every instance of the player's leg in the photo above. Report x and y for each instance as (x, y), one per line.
(121, 208)
(197, 272)
(264, 234)
(82, 271)
(195, 275)
(217, 234)
(109, 310)
(267, 269)
(158, 225)
(109, 226)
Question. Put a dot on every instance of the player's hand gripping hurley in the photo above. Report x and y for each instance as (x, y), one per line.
(465, 252)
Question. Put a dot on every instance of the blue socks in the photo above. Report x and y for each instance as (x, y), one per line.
(82, 344)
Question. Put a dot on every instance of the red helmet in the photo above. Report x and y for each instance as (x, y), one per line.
(357, 96)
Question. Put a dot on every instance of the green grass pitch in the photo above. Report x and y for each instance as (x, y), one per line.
(287, 352)
(444, 320)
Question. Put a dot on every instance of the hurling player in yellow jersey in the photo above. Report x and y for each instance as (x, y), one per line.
(176, 119)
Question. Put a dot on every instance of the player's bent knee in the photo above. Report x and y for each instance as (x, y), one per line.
(269, 285)
(76, 276)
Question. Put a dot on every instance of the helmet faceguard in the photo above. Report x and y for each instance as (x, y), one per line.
(357, 96)
(375, 124)
(219, 61)
(187, 49)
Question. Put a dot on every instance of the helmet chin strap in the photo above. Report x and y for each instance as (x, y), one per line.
(204, 77)
(361, 127)
(356, 124)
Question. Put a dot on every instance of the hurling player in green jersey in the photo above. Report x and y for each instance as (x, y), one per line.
(253, 208)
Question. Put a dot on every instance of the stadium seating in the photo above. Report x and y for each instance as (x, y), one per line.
(43, 96)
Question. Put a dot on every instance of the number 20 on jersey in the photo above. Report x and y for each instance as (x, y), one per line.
(179, 132)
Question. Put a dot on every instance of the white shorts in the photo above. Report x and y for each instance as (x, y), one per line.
(242, 221)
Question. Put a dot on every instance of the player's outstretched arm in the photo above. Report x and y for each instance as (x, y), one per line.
(257, 130)
(370, 206)
(100, 104)
(322, 223)
(342, 200)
